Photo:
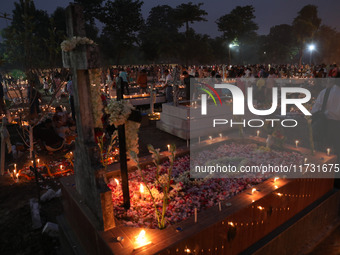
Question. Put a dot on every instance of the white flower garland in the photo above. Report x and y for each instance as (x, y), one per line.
(119, 112)
(70, 44)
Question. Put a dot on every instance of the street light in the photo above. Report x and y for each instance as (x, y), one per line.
(232, 45)
(311, 48)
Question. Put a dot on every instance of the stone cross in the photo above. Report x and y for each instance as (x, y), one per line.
(89, 172)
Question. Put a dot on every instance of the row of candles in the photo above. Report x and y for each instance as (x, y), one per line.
(297, 143)
(15, 174)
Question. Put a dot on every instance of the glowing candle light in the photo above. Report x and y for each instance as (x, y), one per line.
(141, 189)
(231, 223)
(168, 147)
(15, 167)
(116, 180)
(260, 208)
(297, 143)
(276, 187)
(141, 240)
(61, 167)
(38, 161)
(276, 178)
(258, 133)
(328, 151)
(253, 190)
(279, 194)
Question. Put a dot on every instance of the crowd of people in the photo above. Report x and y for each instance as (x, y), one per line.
(55, 129)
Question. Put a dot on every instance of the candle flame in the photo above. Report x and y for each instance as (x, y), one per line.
(260, 207)
(141, 239)
(141, 188)
(276, 178)
(116, 180)
(230, 223)
(279, 194)
(253, 190)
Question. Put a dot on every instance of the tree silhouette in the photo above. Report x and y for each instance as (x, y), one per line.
(190, 12)
(305, 25)
(123, 20)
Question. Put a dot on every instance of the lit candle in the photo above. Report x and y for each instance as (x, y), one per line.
(15, 167)
(328, 151)
(141, 189)
(297, 143)
(116, 180)
(168, 147)
(276, 178)
(258, 133)
(61, 167)
(38, 161)
(253, 190)
(141, 240)
(195, 215)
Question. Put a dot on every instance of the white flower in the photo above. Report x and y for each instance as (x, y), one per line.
(71, 44)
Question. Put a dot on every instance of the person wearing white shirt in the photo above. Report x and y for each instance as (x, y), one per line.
(168, 86)
(332, 113)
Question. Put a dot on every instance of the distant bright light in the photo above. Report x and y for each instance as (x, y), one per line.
(232, 45)
(311, 47)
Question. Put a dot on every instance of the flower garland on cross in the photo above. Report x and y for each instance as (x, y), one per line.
(120, 112)
(72, 43)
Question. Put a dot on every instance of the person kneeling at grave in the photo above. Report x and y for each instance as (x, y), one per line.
(46, 134)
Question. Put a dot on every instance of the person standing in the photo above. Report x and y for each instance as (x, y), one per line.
(142, 81)
(125, 80)
(332, 113)
(168, 86)
(45, 86)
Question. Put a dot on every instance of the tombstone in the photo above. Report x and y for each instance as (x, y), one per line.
(89, 172)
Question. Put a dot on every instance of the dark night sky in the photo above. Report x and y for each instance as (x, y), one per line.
(268, 12)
